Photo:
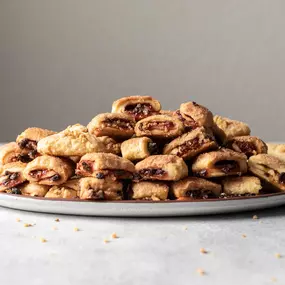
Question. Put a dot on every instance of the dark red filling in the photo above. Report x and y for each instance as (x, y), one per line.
(12, 179)
(227, 165)
(121, 124)
(282, 178)
(148, 172)
(187, 146)
(246, 147)
(152, 148)
(140, 110)
(29, 144)
(157, 125)
(200, 194)
(189, 124)
(42, 174)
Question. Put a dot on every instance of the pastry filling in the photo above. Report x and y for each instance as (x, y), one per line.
(45, 174)
(120, 124)
(246, 147)
(116, 174)
(149, 172)
(11, 179)
(282, 178)
(152, 148)
(227, 165)
(157, 125)
(199, 194)
(140, 110)
(96, 194)
(28, 144)
(189, 124)
(187, 146)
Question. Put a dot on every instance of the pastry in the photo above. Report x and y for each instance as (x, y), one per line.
(11, 175)
(68, 190)
(241, 186)
(218, 163)
(268, 168)
(115, 125)
(73, 141)
(248, 145)
(188, 123)
(111, 145)
(48, 170)
(195, 188)
(101, 165)
(29, 139)
(161, 167)
(10, 152)
(139, 107)
(92, 188)
(191, 144)
(146, 190)
(34, 189)
(191, 111)
(159, 127)
(138, 148)
(226, 129)
(277, 150)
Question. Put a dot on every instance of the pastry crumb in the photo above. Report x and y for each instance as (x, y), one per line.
(203, 250)
(18, 220)
(278, 255)
(43, 239)
(273, 279)
(54, 228)
(185, 228)
(255, 217)
(243, 235)
(105, 241)
(57, 220)
(27, 225)
(201, 272)
(76, 229)
(114, 235)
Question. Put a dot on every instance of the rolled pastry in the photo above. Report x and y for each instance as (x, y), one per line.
(11, 175)
(68, 190)
(139, 107)
(268, 168)
(34, 189)
(48, 170)
(198, 113)
(223, 162)
(10, 152)
(115, 125)
(138, 148)
(73, 141)
(241, 186)
(226, 129)
(101, 165)
(195, 188)
(159, 127)
(189, 123)
(29, 139)
(146, 190)
(277, 150)
(111, 145)
(248, 145)
(191, 144)
(161, 167)
(92, 188)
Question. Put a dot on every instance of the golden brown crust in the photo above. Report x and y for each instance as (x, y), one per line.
(139, 107)
(34, 189)
(9, 152)
(167, 113)
(138, 148)
(73, 141)
(239, 186)
(161, 167)
(277, 150)
(92, 188)
(111, 145)
(220, 163)
(34, 134)
(11, 175)
(91, 163)
(200, 114)
(248, 145)
(268, 168)
(146, 190)
(191, 144)
(195, 188)
(226, 129)
(115, 125)
(48, 170)
(159, 126)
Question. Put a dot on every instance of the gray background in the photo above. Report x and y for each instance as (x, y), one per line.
(63, 61)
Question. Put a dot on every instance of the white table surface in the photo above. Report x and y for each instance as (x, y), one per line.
(148, 251)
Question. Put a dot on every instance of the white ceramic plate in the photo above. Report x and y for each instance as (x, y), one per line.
(140, 208)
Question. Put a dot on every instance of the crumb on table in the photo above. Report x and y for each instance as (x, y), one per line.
(255, 217)
(43, 239)
(27, 225)
(114, 235)
(203, 250)
(76, 229)
(243, 235)
(18, 220)
(278, 255)
(200, 271)
(57, 220)
(105, 241)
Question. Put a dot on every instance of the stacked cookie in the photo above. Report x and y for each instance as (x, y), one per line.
(140, 152)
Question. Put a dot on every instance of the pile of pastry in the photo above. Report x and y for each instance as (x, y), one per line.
(140, 152)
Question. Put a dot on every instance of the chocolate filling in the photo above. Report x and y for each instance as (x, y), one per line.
(199, 194)
(157, 125)
(140, 110)
(121, 124)
(246, 147)
(188, 145)
(29, 144)
(227, 165)
(148, 172)
(152, 148)
(282, 178)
